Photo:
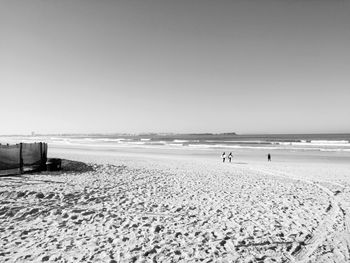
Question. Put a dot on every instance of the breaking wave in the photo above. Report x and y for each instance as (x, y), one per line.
(336, 145)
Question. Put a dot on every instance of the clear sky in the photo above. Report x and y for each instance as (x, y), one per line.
(249, 66)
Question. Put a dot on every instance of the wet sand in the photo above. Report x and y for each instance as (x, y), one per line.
(176, 208)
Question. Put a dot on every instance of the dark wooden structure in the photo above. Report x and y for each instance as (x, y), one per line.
(22, 157)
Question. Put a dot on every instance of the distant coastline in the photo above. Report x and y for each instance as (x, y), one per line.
(178, 134)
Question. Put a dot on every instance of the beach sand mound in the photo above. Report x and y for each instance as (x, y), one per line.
(75, 166)
(181, 212)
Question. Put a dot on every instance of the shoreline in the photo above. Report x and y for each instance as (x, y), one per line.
(248, 155)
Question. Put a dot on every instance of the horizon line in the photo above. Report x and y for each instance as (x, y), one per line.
(172, 133)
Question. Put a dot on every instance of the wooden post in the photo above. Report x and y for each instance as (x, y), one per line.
(41, 157)
(20, 158)
(45, 154)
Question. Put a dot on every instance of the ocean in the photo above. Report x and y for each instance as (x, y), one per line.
(295, 142)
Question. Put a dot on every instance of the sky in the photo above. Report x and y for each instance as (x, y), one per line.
(245, 66)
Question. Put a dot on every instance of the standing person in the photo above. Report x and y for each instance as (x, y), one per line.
(223, 156)
(230, 156)
(269, 157)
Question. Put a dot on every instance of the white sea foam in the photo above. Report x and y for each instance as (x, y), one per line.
(335, 150)
(225, 146)
(180, 141)
(325, 142)
(247, 142)
(317, 143)
(111, 140)
(135, 143)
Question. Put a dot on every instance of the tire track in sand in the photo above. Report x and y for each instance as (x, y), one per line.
(325, 229)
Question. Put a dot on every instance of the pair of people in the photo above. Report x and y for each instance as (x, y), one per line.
(223, 156)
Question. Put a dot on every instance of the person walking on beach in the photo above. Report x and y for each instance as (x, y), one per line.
(223, 156)
(230, 156)
(269, 157)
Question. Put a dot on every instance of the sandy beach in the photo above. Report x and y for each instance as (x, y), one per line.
(167, 208)
(188, 131)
